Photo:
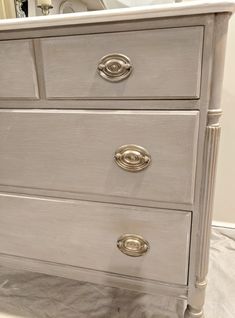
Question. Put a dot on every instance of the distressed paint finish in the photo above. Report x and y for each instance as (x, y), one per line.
(73, 151)
(74, 217)
(18, 79)
(158, 58)
(84, 234)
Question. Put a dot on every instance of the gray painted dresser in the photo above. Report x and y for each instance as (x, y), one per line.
(109, 130)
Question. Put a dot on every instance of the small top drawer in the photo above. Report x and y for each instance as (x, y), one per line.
(18, 78)
(156, 64)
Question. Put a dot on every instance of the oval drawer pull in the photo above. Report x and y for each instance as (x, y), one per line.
(115, 67)
(133, 245)
(132, 158)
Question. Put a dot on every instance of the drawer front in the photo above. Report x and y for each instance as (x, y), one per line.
(74, 151)
(85, 234)
(160, 63)
(18, 74)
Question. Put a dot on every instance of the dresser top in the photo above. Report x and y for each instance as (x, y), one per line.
(123, 14)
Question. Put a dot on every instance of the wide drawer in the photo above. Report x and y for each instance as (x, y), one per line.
(73, 151)
(85, 234)
(160, 63)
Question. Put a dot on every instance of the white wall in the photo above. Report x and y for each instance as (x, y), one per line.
(224, 206)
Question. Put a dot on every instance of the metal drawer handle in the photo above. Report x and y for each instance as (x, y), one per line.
(133, 245)
(132, 158)
(115, 67)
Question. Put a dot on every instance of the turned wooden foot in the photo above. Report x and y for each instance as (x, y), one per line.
(193, 313)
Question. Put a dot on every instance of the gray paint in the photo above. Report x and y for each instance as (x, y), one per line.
(73, 151)
(205, 142)
(159, 59)
(85, 235)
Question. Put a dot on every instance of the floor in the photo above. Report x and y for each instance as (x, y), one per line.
(30, 295)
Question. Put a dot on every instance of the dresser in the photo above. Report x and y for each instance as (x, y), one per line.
(109, 132)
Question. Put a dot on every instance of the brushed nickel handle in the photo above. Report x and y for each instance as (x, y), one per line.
(133, 245)
(115, 67)
(132, 158)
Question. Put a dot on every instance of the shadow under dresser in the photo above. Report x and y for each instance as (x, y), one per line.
(109, 130)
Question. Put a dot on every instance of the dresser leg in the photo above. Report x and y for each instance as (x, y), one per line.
(193, 313)
(196, 301)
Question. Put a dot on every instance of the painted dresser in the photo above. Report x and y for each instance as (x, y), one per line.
(109, 131)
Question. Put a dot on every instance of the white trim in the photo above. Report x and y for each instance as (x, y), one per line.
(146, 12)
(223, 224)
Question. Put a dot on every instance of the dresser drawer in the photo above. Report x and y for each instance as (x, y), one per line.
(160, 63)
(18, 78)
(86, 235)
(73, 151)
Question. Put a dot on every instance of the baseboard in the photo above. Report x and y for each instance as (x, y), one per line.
(224, 228)
(226, 225)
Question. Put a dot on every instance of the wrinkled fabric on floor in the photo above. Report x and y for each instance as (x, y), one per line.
(32, 295)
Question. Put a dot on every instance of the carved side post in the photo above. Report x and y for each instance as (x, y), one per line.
(211, 143)
(195, 310)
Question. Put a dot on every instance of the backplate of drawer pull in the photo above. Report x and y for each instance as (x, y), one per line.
(115, 67)
(132, 158)
(133, 245)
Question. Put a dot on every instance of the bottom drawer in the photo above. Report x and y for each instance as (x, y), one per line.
(85, 234)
